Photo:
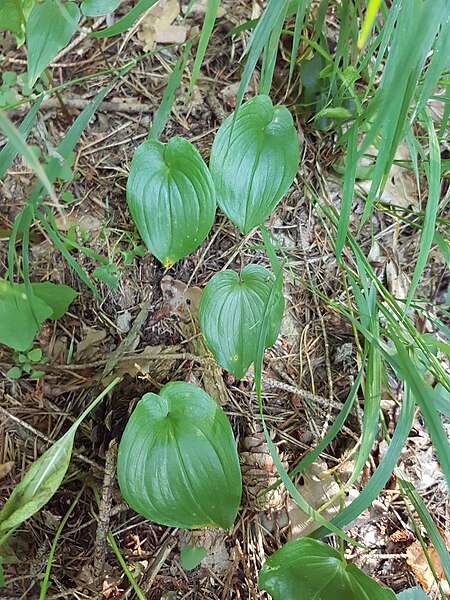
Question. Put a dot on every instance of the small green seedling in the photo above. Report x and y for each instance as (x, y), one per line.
(27, 363)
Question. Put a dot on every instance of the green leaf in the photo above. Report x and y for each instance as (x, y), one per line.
(14, 373)
(171, 198)
(47, 32)
(44, 476)
(127, 21)
(35, 355)
(192, 556)
(98, 8)
(59, 297)
(11, 16)
(415, 593)
(109, 274)
(177, 463)
(17, 323)
(306, 569)
(230, 314)
(254, 160)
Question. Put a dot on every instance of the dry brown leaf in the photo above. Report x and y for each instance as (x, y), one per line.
(317, 490)
(401, 188)
(150, 361)
(6, 468)
(417, 560)
(157, 28)
(183, 301)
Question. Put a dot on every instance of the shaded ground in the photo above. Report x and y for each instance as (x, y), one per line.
(308, 372)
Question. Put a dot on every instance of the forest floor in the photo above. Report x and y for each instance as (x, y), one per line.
(150, 318)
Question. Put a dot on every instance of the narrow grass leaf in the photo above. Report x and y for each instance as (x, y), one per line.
(382, 473)
(126, 21)
(21, 147)
(44, 476)
(439, 63)
(348, 190)
(299, 18)
(371, 13)
(265, 324)
(208, 25)
(54, 237)
(423, 395)
(429, 524)
(433, 173)
(162, 114)
(259, 39)
(10, 150)
(270, 54)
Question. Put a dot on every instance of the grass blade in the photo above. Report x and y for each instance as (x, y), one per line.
(208, 26)
(429, 524)
(162, 114)
(348, 190)
(382, 473)
(423, 395)
(259, 39)
(270, 54)
(126, 21)
(433, 173)
(21, 147)
(299, 18)
(9, 151)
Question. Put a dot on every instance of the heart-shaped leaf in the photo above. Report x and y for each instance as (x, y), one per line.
(177, 463)
(308, 569)
(231, 312)
(47, 32)
(254, 160)
(192, 556)
(171, 198)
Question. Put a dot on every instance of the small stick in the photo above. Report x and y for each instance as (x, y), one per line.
(105, 515)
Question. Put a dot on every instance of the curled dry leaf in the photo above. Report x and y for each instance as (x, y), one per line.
(156, 27)
(417, 560)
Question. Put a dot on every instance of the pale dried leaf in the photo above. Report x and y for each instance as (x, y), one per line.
(6, 468)
(401, 188)
(317, 488)
(156, 27)
(91, 346)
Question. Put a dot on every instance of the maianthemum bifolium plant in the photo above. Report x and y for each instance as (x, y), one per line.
(249, 170)
(177, 462)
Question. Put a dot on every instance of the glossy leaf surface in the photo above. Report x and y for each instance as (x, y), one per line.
(171, 198)
(231, 311)
(415, 593)
(254, 160)
(306, 569)
(177, 463)
(44, 476)
(98, 8)
(47, 32)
